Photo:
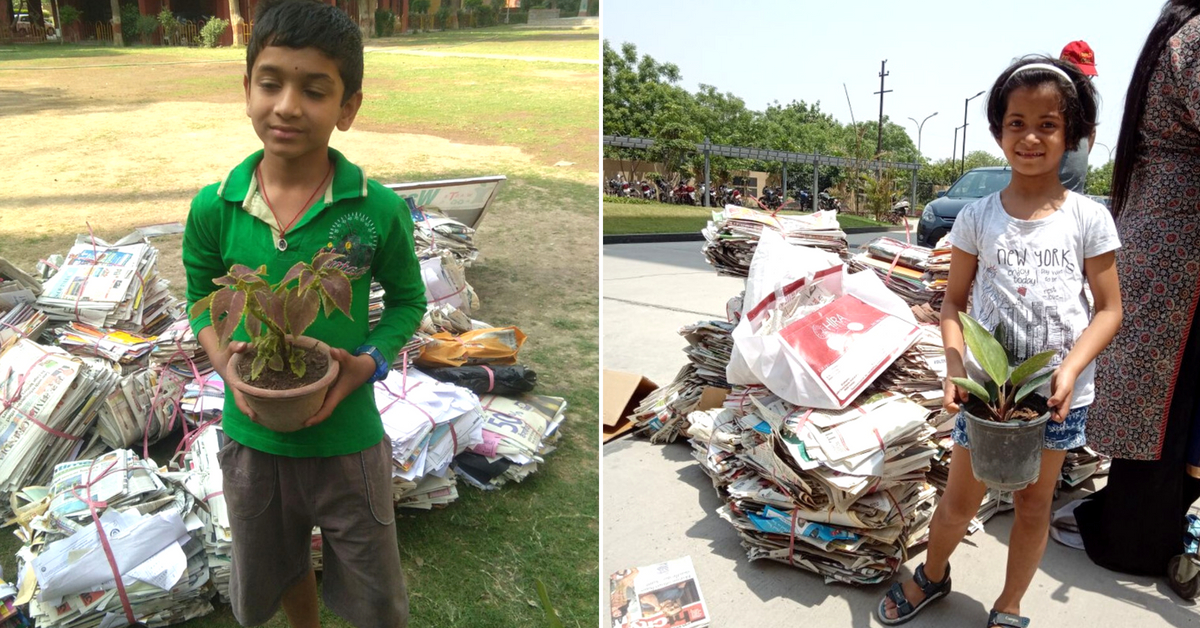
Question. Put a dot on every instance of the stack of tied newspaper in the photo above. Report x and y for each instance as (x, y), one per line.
(202, 478)
(838, 492)
(663, 413)
(919, 372)
(445, 280)
(154, 539)
(178, 349)
(901, 266)
(20, 321)
(434, 233)
(16, 285)
(428, 423)
(733, 235)
(666, 595)
(122, 347)
(937, 269)
(1083, 463)
(110, 286)
(204, 398)
(50, 399)
(518, 432)
(143, 408)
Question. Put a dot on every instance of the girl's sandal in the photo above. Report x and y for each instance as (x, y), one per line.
(996, 618)
(904, 609)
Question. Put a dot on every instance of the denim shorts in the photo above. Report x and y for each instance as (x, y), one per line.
(1059, 436)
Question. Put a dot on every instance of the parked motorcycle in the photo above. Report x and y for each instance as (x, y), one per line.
(645, 190)
(828, 202)
(771, 199)
(664, 191)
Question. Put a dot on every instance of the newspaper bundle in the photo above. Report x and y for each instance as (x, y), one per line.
(902, 268)
(203, 480)
(20, 321)
(122, 347)
(518, 433)
(838, 492)
(663, 413)
(16, 285)
(154, 532)
(51, 398)
(143, 408)
(732, 235)
(445, 282)
(110, 286)
(435, 233)
(666, 595)
(178, 348)
(428, 423)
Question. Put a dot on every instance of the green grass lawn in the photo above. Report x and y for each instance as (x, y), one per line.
(652, 217)
(577, 43)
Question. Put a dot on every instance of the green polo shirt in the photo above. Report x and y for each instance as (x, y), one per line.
(357, 217)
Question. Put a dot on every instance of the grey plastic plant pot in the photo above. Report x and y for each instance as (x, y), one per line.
(1006, 456)
(286, 410)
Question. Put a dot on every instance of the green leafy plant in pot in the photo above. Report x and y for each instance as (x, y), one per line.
(1006, 419)
(284, 374)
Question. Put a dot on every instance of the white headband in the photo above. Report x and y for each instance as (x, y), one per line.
(1043, 66)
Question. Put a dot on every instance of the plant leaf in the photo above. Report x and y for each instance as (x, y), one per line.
(292, 273)
(225, 280)
(243, 272)
(301, 310)
(271, 304)
(307, 277)
(973, 387)
(199, 306)
(322, 259)
(1031, 386)
(297, 363)
(987, 350)
(1031, 366)
(327, 304)
(276, 362)
(256, 367)
(551, 614)
(237, 306)
(253, 326)
(221, 300)
(337, 287)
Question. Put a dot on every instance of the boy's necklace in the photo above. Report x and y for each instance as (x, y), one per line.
(281, 243)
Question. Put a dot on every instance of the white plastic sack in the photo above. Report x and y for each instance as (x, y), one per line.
(826, 358)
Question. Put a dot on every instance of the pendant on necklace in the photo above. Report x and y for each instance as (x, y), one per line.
(281, 244)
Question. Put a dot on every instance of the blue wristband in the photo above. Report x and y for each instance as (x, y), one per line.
(381, 365)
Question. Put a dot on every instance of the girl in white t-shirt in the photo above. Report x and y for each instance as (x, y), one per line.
(1022, 256)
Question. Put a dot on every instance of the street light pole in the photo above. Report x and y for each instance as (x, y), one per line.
(963, 168)
(954, 149)
(920, 126)
(1106, 148)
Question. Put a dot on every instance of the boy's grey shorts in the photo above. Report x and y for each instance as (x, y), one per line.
(274, 502)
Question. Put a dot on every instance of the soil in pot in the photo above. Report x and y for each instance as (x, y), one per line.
(316, 363)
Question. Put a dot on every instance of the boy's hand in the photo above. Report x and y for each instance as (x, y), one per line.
(1062, 387)
(952, 395)
(354, 371)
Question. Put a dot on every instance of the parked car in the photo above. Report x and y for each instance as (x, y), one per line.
(940, 213)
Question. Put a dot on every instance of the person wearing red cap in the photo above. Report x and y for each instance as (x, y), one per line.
(1074, 167)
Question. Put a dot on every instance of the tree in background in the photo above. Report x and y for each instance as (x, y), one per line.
(1099, 180)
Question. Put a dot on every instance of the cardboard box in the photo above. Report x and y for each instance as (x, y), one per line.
(711, 398)
(622, 393)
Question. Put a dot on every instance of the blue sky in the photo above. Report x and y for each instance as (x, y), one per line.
(939, 52)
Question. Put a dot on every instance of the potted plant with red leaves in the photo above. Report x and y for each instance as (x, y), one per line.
(284, 374)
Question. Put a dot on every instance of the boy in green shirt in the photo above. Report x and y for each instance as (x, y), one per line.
(304, 67)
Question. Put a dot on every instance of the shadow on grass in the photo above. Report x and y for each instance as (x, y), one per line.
(29, 52)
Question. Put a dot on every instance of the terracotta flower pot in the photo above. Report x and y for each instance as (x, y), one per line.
(286, 410)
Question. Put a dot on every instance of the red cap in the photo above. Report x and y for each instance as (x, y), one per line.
(1080, 53)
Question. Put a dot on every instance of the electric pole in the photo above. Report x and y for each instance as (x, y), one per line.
(883, 73)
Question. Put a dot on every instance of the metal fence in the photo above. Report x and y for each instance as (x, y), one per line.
(709, 150)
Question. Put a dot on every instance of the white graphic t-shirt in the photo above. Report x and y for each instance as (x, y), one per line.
(1029, 280)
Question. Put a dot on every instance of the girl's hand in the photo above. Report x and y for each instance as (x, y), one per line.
(1062, 387)
(952, 396)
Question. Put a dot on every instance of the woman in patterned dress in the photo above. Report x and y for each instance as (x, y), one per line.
(1144, 414)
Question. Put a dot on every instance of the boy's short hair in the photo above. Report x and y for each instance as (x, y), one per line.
(310, 23)
(1079, 99)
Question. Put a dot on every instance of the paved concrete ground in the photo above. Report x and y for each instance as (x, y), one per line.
(659, 505)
